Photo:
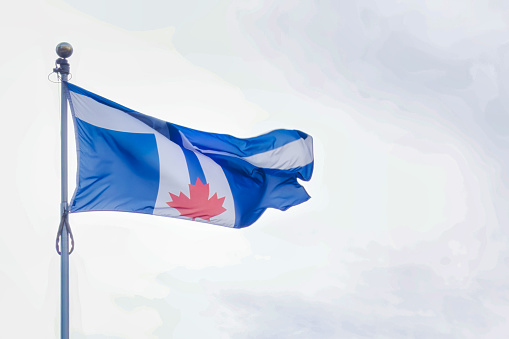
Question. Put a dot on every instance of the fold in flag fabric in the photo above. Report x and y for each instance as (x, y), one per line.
(131, 162)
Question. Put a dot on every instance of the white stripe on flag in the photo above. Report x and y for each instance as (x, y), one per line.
(173, 175)
(297, 153)
(294, 154)
(100, 115)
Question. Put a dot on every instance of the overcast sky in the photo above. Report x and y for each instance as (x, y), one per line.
(406, 233)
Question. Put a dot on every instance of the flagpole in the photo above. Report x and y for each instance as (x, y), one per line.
(64, 50)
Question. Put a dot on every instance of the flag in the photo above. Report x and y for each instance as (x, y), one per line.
(131, 162)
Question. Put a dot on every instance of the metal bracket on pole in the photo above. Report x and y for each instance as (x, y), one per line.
(62, 66)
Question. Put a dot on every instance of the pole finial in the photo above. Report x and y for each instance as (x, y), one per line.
(64, 50)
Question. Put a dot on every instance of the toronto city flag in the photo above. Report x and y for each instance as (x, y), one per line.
(131, 162)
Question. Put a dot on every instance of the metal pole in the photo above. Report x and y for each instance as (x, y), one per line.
(64, 50)
(64, 263)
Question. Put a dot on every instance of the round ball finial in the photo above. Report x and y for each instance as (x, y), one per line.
(64, 50)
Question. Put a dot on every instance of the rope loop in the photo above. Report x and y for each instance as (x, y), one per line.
(59, 78)
(64, 222)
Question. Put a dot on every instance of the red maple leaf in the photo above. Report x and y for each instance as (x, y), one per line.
(198, 205)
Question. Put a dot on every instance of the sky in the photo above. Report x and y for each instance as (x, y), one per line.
(405, 235)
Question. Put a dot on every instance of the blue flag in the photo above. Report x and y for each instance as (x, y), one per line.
(131, 162)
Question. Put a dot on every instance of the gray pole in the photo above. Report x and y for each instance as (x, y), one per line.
(64, 50)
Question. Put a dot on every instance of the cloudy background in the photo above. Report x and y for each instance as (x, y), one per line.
(406, 234)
